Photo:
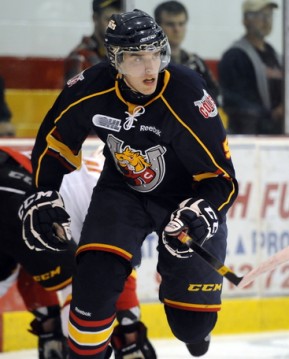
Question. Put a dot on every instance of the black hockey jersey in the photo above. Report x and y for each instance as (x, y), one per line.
(172, 145)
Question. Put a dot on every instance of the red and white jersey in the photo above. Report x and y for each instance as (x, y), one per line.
(76, 190)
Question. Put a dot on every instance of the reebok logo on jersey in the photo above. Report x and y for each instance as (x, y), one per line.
(109, 123)
(150, 129)
(207, 106)
(83, 312)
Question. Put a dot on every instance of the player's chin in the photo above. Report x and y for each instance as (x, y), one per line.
(149, 86)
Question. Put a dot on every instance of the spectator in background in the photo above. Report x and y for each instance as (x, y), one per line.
(6, 127)
(250, 74)
(173, 17)
(91, 49)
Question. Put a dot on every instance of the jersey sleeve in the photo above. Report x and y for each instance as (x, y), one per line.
(57, 149)
(201, 144)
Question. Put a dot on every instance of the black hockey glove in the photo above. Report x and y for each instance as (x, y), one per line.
(45, 223)
(52, 344)
(196, 218)
(141, 348)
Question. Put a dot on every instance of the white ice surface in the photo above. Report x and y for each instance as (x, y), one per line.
(273, 345)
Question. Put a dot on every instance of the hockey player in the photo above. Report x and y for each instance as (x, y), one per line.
(130, 336)
(53, 270)
(167, 168)
(47, 322)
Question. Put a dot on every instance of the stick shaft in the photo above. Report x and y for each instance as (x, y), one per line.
(266, 266)
(214, 262)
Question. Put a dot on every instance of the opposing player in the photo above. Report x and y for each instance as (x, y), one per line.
(167, 168)
(54, 270)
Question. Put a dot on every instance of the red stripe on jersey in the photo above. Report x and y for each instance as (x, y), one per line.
(86, 351)
(89, 323)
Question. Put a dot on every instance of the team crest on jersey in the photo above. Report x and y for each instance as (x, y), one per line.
(107, 122)
(143, 171)
(75, 79)
(207, 106)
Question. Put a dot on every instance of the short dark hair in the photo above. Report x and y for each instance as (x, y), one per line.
(172, 7)
(99, 5)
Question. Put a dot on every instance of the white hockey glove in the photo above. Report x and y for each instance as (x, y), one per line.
(196, 218)
(45, 223)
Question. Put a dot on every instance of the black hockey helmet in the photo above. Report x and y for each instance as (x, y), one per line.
(135, 31)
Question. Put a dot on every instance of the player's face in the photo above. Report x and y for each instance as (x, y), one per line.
(141, 70)
(175, 27)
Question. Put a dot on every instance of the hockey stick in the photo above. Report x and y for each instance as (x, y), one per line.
(240, 282)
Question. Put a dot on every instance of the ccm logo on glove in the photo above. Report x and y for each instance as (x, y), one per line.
(197, 218)
(45, 223)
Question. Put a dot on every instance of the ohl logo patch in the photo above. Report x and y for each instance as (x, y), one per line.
(142, 171)
(207, 106)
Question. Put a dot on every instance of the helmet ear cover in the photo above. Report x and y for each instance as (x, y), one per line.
(135, 31)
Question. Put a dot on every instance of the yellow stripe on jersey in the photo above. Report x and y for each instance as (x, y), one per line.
(202, 176)
(229, 197)
(106, 248)
(225, 174)
(60, 286)
(133, 274)
(65, 152)
(196, 138)
(53, 129)
(132, 106)
(90, 338)
(207, 175)
(190, 306)
(81, 100)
